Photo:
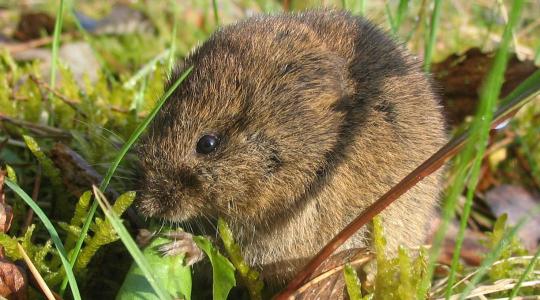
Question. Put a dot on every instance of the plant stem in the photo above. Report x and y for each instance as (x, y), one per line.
(430, 43)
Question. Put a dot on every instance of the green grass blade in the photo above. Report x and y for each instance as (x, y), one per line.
(528, 89)
(138, 99)
(125, 148)
(362, 9)
(130, 244)
(537, 55)
(474, 149)
(56, 42)
(88, 39)
(216, 13)
(390, 18)
(532, 82)
(489, 95)
(52, 232)
(170, 63)
(463, 224)
(401, 12)
(528, 270)
(54, 57)
(430, 42)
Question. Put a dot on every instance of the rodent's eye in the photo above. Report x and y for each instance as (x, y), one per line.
(207, 144)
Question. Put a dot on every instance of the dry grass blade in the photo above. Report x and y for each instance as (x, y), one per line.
(466, 278)
(499, 286)
(42, 284)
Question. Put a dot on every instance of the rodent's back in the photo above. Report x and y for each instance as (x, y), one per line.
(391, 123)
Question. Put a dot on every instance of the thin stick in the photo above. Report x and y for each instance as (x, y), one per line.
(36, 128)
(42, 284)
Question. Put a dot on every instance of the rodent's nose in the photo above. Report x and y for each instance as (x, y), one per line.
(187, 178)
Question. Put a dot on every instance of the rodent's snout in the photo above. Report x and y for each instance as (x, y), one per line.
(186, 178)
(172, 193)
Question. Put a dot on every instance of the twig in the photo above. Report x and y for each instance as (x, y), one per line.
(19, 47)
(75, 104)
(72, 103)
(36, 128)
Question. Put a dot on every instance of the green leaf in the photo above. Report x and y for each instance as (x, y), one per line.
(131, 246)
(222, 269)
(169, 270)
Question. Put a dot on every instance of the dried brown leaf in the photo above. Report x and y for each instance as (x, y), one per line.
(460, 76)
(32, 25)
(6, 212)
(13, 282)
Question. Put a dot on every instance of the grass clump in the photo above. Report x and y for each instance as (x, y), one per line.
(399, 277)
(396, 276)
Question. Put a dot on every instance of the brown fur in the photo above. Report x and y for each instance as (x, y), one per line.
(318, 113)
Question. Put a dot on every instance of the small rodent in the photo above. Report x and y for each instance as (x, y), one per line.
(288, 127)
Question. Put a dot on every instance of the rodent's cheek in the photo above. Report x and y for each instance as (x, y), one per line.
(231, 187)
(147, 205)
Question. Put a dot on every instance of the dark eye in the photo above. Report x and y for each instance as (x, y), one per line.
(207, 144)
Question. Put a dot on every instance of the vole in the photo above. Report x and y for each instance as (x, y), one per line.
(288, 127)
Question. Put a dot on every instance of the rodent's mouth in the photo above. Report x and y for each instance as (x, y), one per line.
(170, 211)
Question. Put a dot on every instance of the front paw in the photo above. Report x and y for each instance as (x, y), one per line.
(182, 243)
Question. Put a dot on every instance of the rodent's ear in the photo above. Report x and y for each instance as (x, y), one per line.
(328, 101)
(335, 94)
